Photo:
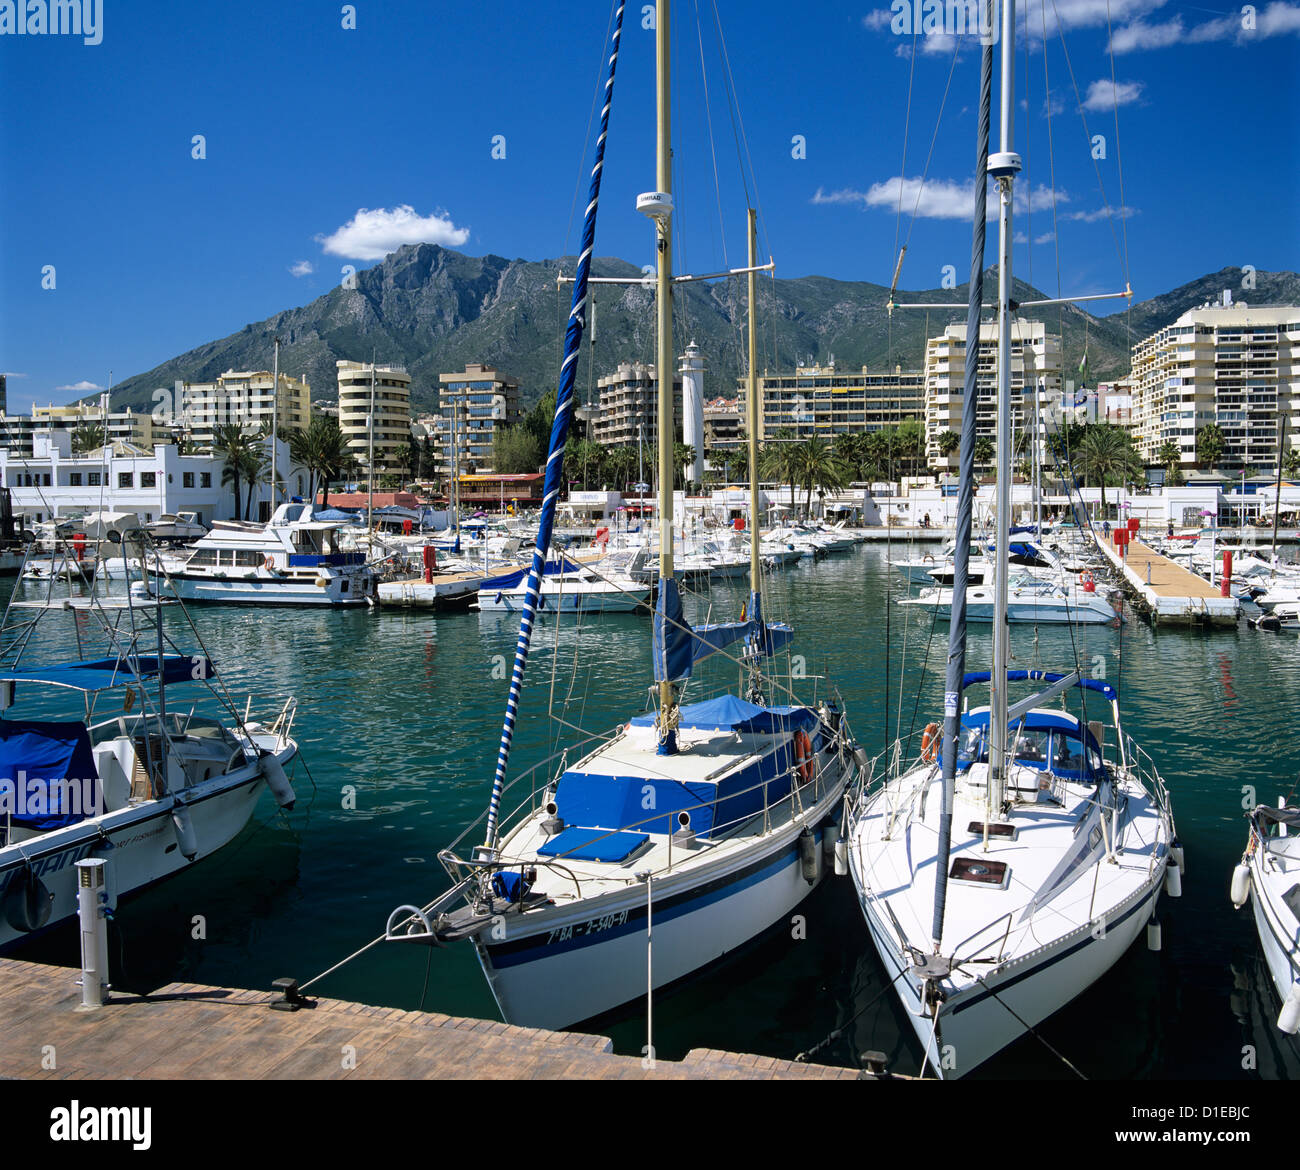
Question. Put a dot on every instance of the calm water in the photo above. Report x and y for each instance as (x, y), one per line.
(405, 708)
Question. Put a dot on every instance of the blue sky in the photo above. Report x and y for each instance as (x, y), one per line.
(325, 145)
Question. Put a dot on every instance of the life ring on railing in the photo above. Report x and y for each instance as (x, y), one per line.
(930, 739)
(1088, 582)
(268, 562)
(803, 755)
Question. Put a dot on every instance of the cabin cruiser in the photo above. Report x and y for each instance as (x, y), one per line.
(295, 559)
(176, 528)
(1029, 599)
(568, 586)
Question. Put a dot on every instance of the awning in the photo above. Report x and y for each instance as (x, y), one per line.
(106, 673)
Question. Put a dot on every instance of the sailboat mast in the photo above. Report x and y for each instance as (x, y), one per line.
(1003, 167)
(753, 412)
(664, 302)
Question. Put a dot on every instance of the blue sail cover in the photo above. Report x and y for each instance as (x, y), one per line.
(105, 673)
(1089, 684)
(677, 646)
(47, 774)
(729, 713)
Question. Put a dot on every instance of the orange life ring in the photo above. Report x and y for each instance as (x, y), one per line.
(930, 740)
(1086, 577)
(268, 562)
(803, 755)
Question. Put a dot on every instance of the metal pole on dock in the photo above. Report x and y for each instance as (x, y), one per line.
(91, 907)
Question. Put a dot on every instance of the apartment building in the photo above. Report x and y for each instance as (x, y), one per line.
(385, 389)
(473, 403)
(1230, 365)
(629, 404)
(1035, 366)
(243, 398)
(124, 426)
(819, 400)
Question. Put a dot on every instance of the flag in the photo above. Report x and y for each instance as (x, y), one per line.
(1083, 362)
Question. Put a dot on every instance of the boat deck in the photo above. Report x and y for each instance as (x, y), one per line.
(191, 1031)
(1167, 591)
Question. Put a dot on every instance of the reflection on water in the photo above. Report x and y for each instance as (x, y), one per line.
(405, 708)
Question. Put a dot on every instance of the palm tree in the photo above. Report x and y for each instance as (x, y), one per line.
(1291, 462)
(984, 450)
(1170, 457)
(323, 451)
(88, 437)
(820, 468)
(949, 441)
(1105, 453)
(620, 464)
(780, 461)
(1209, 444)
(237, 449)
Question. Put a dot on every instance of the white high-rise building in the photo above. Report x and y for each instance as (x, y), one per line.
(1230, 365)
(1035, 365)
(386, 389)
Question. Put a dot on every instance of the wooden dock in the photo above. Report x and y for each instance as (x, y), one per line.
(1165, 592)
(189, 1031)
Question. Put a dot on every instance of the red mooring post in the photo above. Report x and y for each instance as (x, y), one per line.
(1225, 582)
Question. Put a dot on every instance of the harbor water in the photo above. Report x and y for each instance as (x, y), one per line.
(398, 722)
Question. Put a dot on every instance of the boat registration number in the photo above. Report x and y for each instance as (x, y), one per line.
(591, 926)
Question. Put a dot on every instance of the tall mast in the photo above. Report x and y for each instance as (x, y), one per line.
(1003, 167)
(664, 300)
(1277, 491)
(275, 412)
(753, 412)
(370, 458)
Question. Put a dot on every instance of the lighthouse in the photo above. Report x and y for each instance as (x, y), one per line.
(692, 372)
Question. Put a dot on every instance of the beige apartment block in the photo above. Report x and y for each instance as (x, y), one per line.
(629, 400)
(1232, 365)
(821, 401)
(473, 403)
(243, 398)
(1035, 365)
(384, 390)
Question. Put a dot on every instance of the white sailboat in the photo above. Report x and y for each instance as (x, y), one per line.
(708, 818)
(1266, 877)
(1006, 865)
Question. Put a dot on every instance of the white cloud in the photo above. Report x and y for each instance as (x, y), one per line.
(373, 234)
(81, 387)
(937, 199)
(1102, 213)
(11, 374)
(1045, 238)
(1106, 95)
(1020, 238)
(302, 268)
(1278, 19)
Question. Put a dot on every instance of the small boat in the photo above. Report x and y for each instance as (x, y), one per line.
(1029, 600)
(1266, 877)
(148, 788)
(295, 559)
(568, 587)
(176, 528)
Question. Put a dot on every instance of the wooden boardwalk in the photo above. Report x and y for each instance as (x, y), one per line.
(1167, 592)
(188, 1031)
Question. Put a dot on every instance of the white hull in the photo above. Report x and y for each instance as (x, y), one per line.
(975, 1025)
(565, 981)
(140, 844)
(595, 601)
(261, 590)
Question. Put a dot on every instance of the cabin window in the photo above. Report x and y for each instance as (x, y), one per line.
(203, 556)
(248, 557)
(1031, 748)
(1069, 755)
(187, 479)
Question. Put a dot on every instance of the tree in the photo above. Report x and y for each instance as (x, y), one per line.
(87, 438)
(241, 457)
(1105, 454)
(820, 468)
(1209, 444)
(1291, 463)
(1170, 457)
(780, 462)
(620, 466)
(949, 441)
(324, 452)
(683, 458)
(516, 450)
(984, 450)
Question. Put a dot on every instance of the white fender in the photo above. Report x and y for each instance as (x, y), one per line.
(1177, 857)
(1240, 885)
(841, 857)
(1173, 881)
(186, 838)
(1288, 1019)
(1153, 935)
(278, 782)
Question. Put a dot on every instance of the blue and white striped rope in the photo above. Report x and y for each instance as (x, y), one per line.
(559, 434)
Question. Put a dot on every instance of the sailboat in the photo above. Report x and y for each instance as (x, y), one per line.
(708, 819)
(1008, 863)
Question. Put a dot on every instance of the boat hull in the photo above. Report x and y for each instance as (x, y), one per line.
(262, 591)
(594, 960)
(977, 1023)
(140, 844)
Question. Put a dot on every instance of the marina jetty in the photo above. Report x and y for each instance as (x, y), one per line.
(1164, 592)
(191, 1031)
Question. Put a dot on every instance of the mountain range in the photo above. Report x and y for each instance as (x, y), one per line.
(433, 310)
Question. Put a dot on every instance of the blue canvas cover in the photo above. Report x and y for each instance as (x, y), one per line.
(578, 844)
(49, 760)
(105, 673)
(730, 713)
